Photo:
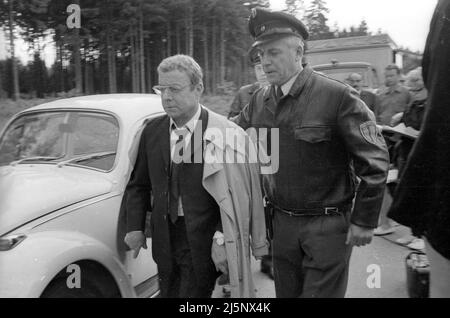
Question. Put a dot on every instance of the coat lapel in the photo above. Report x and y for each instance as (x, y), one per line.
(214, 173)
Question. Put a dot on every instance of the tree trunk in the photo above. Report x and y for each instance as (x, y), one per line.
(77, 58)
(206, 59)
(186, 34)
(222, 50)
(16, 90)
(132, 68)
(113, 66)
(141, 49)
(178, 37)
(149, 70)
(112, 79)
(169, 38)
(134, 60)
(213, 56)
(190, 12)
(86, 73)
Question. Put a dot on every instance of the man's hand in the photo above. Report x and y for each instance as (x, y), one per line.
(135, 240)
(396, 119)
(358, 235)
(219, 257)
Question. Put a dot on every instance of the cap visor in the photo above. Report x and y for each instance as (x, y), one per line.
(272, 37)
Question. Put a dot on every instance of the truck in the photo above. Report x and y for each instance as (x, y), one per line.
(367, 55)
(340, 72)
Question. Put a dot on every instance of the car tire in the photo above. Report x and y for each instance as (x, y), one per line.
(94, 284)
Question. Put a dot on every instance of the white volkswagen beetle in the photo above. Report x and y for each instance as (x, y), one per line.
(64, 167)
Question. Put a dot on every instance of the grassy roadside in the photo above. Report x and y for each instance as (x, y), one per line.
(8, 107)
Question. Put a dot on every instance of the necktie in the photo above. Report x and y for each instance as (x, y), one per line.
(175, 177)
(278, 94)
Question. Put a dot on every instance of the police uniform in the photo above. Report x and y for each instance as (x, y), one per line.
(245, 93)
(242, 98)
(327, 138)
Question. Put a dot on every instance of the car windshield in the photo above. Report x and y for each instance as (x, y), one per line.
(53, 137)
(341, 74)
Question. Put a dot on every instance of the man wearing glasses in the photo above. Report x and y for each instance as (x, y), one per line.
(204, 211)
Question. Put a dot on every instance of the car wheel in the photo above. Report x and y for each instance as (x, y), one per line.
(59, 289)
(94, 284)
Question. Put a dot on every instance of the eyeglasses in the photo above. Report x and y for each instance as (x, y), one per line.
(160, 89)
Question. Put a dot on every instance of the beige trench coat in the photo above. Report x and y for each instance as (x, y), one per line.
(236, 188)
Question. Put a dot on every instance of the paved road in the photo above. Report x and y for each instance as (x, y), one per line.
(382, 252)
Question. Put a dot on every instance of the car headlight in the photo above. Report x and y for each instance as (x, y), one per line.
(10, 241)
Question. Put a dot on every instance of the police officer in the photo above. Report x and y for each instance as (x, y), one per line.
(327, 138)
(246, 92)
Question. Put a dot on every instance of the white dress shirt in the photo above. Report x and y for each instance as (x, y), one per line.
(187, 130)
(286, 87)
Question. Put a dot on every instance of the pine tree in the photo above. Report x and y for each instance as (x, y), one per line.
(363, 28)
(316, 20)
(296, 8)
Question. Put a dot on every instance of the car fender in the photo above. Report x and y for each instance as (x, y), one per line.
(27, 269)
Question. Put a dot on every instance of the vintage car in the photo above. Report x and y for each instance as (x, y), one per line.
(64, 166)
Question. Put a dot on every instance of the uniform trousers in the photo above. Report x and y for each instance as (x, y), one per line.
(310, 256)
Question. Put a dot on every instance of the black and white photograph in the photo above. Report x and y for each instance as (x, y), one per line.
(237, 150)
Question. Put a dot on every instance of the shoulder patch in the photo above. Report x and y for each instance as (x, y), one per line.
(371, 133)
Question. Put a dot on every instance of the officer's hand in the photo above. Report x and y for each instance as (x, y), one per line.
(358, 235)
(219, 257)
(396, 119)
(135, 240)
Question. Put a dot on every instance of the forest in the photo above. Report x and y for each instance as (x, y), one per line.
(119, 43)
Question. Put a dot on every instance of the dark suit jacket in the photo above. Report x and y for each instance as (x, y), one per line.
(422, 199)
(151, 175)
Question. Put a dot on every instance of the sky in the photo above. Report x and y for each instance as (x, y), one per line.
(406, 21)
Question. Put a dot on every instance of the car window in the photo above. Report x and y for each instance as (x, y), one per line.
(87, 139)
(95, 133)
(33, 136)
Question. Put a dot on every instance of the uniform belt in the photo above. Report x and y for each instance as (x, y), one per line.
(335, 210)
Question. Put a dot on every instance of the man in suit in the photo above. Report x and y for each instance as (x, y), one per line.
(203, 211)
(355, 81)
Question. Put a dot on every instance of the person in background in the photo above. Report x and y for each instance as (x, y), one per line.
(422, 198)
(393, 98)
(412, 118)
(392, 101)
(244, 94)
(355, 81)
